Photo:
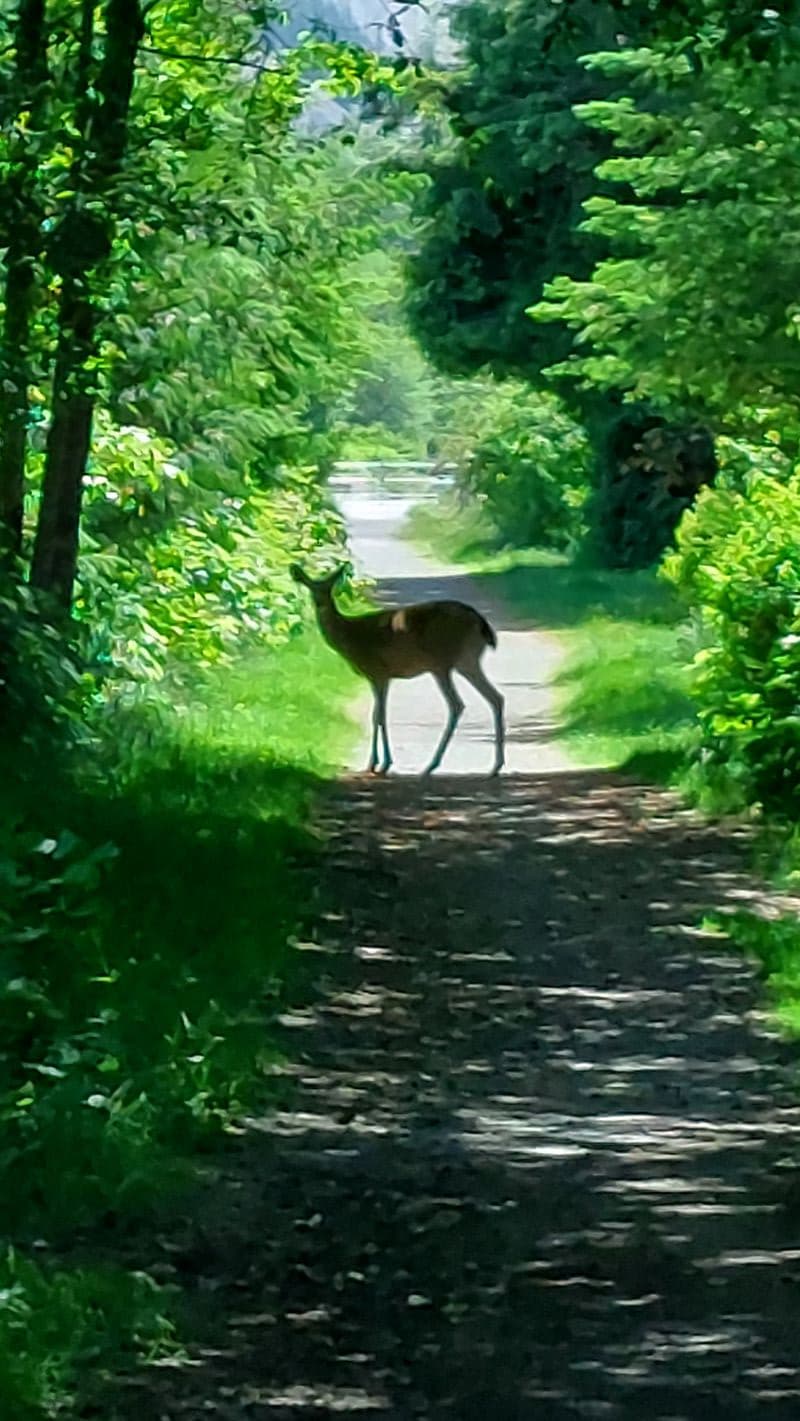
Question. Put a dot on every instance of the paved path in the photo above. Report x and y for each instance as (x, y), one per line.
(537, 1156)
(524, 666)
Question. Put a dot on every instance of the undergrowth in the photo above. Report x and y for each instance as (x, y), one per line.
(150, 880)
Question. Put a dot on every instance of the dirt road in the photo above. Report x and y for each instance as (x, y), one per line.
(538, 1160)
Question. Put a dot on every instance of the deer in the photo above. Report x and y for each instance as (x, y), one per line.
(436, 638)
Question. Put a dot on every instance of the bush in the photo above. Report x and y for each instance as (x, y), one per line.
(531, 470)
(738, 563)
(54, 1325)
(176, 568)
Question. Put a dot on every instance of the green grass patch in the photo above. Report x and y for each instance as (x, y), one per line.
(624, 689)
(774, 945)
(624, 696)
(454, 527)
(148, 895)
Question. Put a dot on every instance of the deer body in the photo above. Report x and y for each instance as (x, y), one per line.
(435, 638)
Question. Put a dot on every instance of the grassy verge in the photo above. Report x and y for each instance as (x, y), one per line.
(147, 898)
(623, 690)
(774, 946)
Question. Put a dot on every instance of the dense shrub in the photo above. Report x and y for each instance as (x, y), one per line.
(530, 466)
(738, 564)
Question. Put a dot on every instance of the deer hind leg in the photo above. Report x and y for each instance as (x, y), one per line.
(386, 763)
(379, 729)
(456, 706)
(474, 673)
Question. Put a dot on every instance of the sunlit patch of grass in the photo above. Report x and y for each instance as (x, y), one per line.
(285, 706)
(454, 528)
(625, 697)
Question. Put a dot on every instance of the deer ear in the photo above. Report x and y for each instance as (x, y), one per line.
(340, 572)
(296, 572)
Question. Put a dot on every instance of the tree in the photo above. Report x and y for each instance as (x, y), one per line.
(159, 153)
(23, 122)
(83, 242)
(504, 216)
(697, 305)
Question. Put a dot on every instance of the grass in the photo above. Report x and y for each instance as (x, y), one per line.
(624, 688)
(148, 896)
(774, 945)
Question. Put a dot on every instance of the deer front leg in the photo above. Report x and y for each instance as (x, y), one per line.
(376, 722)
(379, 693)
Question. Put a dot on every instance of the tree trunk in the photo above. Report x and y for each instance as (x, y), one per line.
(14, 399)
(55, 555)
(87, 240)
(21, 258)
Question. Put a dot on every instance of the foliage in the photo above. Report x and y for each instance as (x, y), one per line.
(531, 467)
(505, 196)
(175, 573)
(189, 259)
(647, 472)
(700, 220)
(775, 945)
(241, 351)
(394, 388)
(738, 563)
(503, 218)
(135, 1015)
(54, 1324)
(505, 202)
(43, 691)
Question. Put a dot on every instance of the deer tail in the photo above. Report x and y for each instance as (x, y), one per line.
(487, 631)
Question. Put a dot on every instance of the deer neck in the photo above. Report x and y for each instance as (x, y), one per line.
(332, 624)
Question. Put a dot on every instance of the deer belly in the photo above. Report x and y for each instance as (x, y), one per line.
(406, 662)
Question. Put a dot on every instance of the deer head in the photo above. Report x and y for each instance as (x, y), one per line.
(321, 588)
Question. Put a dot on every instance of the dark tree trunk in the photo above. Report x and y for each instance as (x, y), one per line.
(87, 239)
(21, 260)
(55, 556)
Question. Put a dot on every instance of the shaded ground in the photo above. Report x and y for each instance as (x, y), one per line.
(538, 1152)
(534, 1164)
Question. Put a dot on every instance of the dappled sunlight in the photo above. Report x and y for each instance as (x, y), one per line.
(531, 1155)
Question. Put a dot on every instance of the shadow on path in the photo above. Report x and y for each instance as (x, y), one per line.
(532, 1164)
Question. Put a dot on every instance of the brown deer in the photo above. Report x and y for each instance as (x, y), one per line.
(401, 642)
